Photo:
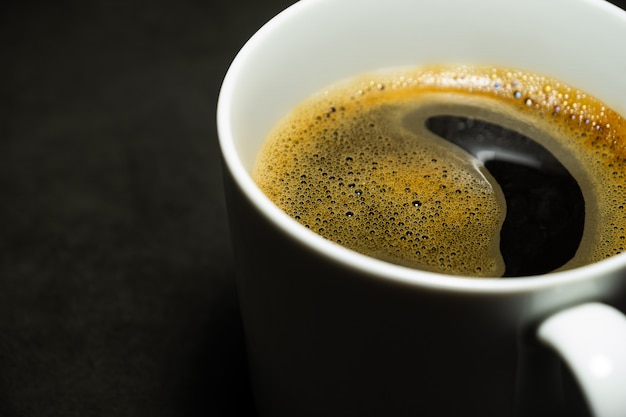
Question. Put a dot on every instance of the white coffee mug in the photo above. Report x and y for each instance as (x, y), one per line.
(331, 332)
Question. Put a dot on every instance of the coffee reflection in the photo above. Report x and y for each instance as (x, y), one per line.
(471, 171)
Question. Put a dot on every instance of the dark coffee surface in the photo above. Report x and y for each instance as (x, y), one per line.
(545, 207)
(474, 171)
(116, 275)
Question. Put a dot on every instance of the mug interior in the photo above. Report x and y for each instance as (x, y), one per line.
(315, 43)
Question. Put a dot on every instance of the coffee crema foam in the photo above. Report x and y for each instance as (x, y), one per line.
(350, 165)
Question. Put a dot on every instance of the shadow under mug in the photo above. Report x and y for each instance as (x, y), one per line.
(330, 332)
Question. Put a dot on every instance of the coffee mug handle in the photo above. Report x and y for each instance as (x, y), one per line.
(591, 339)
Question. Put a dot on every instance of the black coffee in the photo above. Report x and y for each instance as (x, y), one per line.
(470, 171)
(545, 215)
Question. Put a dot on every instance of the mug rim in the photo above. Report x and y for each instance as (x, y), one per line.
(366, 265)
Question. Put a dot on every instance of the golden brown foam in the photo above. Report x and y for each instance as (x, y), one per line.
(343, 165)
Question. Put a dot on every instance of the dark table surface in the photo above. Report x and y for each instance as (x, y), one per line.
(117, 295)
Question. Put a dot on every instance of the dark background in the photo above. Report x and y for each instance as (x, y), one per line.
(117, 295)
